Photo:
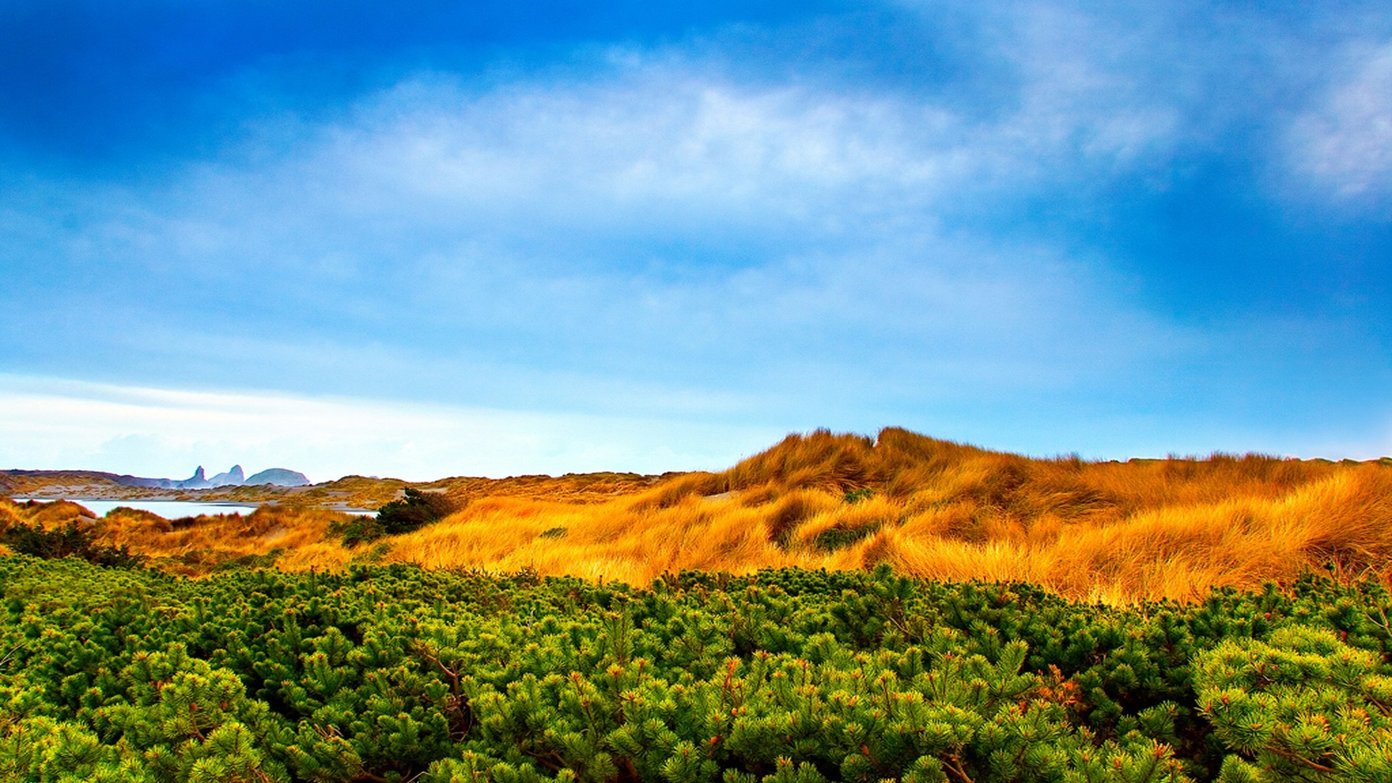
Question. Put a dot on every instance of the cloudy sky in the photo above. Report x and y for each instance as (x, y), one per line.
(439, 238)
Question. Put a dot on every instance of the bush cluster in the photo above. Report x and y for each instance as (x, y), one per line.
(413, 511)
(396, 674)
(70, 540)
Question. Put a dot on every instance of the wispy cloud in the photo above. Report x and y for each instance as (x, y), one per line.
(159, 432)
(648, 216)
(1343, 144)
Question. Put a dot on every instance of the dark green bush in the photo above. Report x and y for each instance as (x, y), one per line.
(359, 530)
(834, 538)
(71, 540)
(414, 510)
(857, 495)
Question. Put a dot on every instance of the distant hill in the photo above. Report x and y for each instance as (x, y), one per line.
(198, 481)
(279, 477)
(100, 484)
(279, 485)
(58, 482)
(235, 477)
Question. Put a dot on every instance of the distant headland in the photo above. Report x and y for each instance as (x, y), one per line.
(235, 477)
(280, 477)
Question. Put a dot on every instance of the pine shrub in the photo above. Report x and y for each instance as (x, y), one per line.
(70, 540)
(393, 673)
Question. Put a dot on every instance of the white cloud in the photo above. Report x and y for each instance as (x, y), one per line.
(159, 432)
(664, 147)
(655, 241)
(1343, 145)
(668, 150)
(1088, 94)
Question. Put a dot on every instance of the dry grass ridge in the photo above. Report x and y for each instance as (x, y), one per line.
(1108, 531)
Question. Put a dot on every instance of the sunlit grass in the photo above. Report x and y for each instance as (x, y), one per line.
(1114, 532)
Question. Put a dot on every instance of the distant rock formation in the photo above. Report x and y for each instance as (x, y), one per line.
(198, 481)
(279, 477)
(235, 477)
(97, 481)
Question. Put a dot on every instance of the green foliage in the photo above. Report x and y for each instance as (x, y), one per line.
(359, 530)
(1301, 705)
(70, 540)
(857, 495)
(834, 538)
(414, 510)
(391, 673)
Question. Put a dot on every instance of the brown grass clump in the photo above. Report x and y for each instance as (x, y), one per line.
(199, 544)
(316, 556)
(1110, 531)
(9, 514)
(54, 514)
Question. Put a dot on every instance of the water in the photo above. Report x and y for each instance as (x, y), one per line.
(169, 509)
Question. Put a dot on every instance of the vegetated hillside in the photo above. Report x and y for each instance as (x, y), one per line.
(387, 672)
(1168, 528)
(56, 483)
(365, 492)
(354, 492)
(1110, 531)
(193, 546)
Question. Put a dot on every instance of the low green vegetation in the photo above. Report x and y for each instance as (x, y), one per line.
(70, 540)
(413, 511)
(398, 674)
(857, 495)
(834, 538)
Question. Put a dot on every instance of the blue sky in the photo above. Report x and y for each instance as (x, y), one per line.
(429, 239)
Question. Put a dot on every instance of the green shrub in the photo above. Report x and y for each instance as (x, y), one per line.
(70, 540)
(1301, 706)
(359, 530)
(394, 673)
(834, 538)
(414, 510)
(857, 495)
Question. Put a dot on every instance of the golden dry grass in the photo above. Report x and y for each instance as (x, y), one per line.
(194, 546)
(1109, 531)
(288, 537)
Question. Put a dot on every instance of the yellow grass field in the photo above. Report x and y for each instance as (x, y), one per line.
(1106, 531)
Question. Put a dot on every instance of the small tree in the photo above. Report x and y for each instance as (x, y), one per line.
(414, 511)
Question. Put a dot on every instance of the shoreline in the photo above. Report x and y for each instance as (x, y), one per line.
(253, 505)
